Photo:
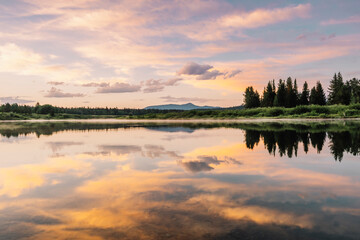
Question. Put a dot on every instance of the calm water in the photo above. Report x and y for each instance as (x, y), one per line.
(179, 181)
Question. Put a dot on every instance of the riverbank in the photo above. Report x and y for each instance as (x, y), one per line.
(299, 112)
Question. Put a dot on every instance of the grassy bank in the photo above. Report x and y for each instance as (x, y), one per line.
(59, 116)
(312, 111)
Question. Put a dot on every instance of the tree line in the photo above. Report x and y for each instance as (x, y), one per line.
(52, 110)
(286, 93)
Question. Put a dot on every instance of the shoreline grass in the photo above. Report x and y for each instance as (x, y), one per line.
(299, 112)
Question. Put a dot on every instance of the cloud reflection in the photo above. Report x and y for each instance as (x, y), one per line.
(234, 192)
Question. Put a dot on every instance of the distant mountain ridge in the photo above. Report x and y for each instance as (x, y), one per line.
(187, 106)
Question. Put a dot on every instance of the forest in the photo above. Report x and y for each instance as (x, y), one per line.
(286, 94)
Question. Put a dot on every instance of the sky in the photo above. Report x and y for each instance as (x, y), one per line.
(136, 53)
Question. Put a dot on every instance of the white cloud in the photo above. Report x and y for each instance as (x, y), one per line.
(22, 61)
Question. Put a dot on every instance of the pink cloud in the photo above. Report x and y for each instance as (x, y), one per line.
(352, 19)
(119, 88)
(57, 93)
(263, 17)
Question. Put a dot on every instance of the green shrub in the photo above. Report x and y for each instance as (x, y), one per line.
(355, 106)
(273, 112)
(351, 112)
(300, 110)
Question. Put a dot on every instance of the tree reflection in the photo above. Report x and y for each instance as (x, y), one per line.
(286, 142)
(278, 137)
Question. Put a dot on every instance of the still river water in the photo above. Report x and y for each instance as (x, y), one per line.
(118, 180)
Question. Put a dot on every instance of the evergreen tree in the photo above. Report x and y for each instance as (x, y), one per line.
(251, 98)
(268, 96)
(321, 97)
(317, 95)
(7, 107)
(346, 93)
(355, 90)
(336, 89)
(280, 99)
(296, 92)
(304, 97)
(313, 96)
(291, 94)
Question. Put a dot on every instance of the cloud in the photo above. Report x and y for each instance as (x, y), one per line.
(323, 38)
(202, 71)
(22, 61)
(232, 73)
(119, 88)
(100, 19)
(214, 160)
(172, 81)
(196, 166)
(186, 99)
(16, 59)
(203, 163)
(352, 19)
(56, 83)
(12, 100)
(316, 36)
(94, 84)
(57, 146)
(209, 75)
(155, 151)
(193, 68)
(263, 17)
(57, 93)
(152, 85)
(120, 149)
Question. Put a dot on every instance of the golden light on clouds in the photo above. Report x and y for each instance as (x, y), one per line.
(92, 41)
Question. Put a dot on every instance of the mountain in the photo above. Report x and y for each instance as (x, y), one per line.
(187, 106)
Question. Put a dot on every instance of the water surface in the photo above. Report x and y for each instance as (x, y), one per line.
(117, 180)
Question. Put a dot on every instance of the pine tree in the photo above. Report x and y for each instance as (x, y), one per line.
(320, 94)
(251, 98)
(268, 96)
(280, 99)
(355, 90)
(317, 95)
(313, 96)
(296, 92)
(304, 97)
(336, 89)
(291, 94)
(346, 93)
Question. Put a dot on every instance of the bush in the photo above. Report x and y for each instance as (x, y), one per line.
(250, 112)
(273, 112)
(320, 109)
(355, 106)
(300, 110)
(351, 113)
